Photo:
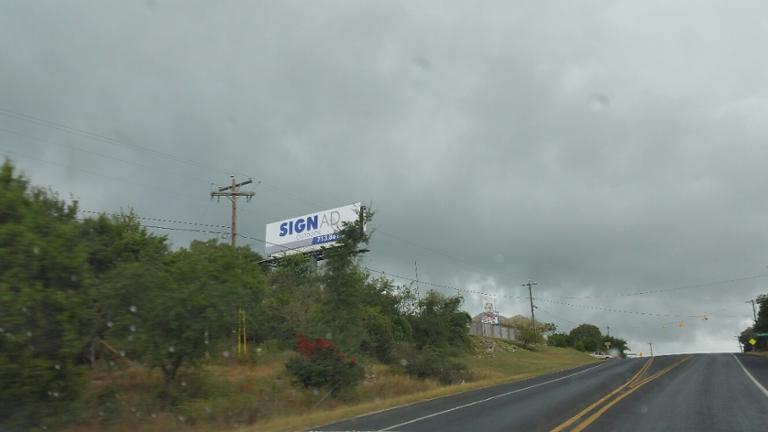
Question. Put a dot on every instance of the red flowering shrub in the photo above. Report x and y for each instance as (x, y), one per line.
(321, 364)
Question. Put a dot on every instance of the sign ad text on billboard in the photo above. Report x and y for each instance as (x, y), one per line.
(309, 232)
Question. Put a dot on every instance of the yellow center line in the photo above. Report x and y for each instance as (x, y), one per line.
(591, 419)
(583, 412)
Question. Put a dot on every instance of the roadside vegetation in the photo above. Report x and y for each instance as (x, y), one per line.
(759, 331)
(587, 337)
(105, 326)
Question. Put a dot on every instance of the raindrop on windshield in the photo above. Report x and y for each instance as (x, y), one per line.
(133, 308)
(599, 102)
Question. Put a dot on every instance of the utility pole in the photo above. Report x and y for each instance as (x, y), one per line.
(530, 284)
(650, 345)
(416, 267)
(609, 330)
(741, 347)
(754, 313)
(233, 192)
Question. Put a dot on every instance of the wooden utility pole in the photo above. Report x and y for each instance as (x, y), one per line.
(530, 285)
(754, 312)
(233, 192)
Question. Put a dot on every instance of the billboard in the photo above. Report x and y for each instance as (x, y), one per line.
(489, 315)
(308, 232)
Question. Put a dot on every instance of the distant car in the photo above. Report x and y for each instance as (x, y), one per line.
(601, 355)
(632, 355)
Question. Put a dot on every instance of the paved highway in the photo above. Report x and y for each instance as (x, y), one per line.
(700, 392)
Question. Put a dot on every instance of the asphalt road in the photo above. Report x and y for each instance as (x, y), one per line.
(700, 392)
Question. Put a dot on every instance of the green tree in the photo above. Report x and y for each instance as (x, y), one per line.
(44, 276)
(615, 344)
(292, 303)
(168, 311)
(344, 283)
(111, 241)
(561, 340)
(587, 336)
(440, 323)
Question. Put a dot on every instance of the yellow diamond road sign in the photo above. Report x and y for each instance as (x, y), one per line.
(752, 341)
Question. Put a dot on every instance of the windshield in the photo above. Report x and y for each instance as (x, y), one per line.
(286, 215)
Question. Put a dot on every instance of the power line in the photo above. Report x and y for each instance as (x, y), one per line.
(432, 284)
(615, 310)
(157, 219)
(107, 139)
(219, 233)
(437, 285)
(102, 155)
(192, 230)
(429, 249)
(558, 317)
(664, 290)
(100, 137)
(15, 153)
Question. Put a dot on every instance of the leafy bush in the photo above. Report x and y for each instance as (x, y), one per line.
(44, 277)
(436, 364)
(561, 340)
(440, 323)
(379, 339)
(589, 336)
(529, 336)
(322, 365)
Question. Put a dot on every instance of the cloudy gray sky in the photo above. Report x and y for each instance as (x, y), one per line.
(603, 148)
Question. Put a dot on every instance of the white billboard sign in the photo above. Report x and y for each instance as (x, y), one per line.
(309, 232)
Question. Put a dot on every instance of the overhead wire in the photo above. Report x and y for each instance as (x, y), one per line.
(671, 289)
(107, 139)
(166, 220)
(102, 155)
(103, 138)
(10, 153)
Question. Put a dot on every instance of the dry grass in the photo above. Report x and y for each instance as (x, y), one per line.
(259, 394)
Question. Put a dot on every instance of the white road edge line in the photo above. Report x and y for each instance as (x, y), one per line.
(757, 383)
(489, 398)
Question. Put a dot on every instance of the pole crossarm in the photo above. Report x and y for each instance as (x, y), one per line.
(229, 194)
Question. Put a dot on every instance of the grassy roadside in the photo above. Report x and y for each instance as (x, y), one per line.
(494, 362)
(258, 396)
